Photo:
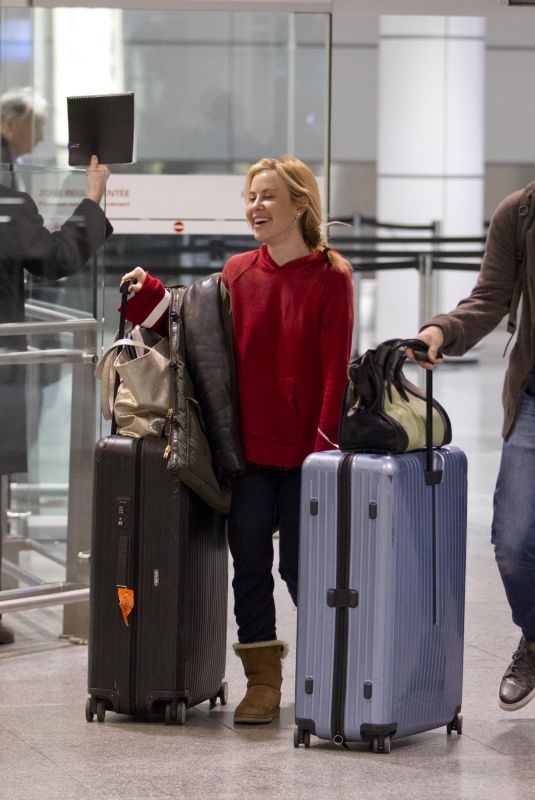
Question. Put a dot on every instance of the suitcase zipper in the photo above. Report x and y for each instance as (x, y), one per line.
(343, 550)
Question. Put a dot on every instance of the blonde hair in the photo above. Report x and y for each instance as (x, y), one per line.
(302, 185)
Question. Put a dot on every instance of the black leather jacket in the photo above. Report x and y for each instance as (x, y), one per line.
(210, 359)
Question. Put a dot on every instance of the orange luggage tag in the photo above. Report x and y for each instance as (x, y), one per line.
(126, 602)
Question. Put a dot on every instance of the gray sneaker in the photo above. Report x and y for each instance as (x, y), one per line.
(518, 683)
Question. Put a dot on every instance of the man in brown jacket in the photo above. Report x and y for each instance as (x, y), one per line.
(513, 527)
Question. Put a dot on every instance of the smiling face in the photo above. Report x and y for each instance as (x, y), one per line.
(270, 210)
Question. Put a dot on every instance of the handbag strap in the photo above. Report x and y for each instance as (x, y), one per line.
(109, 378)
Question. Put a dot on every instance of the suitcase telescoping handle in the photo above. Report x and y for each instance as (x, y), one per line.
(419, 348)
(124, 289)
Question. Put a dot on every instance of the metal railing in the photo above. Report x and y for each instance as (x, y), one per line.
(74, 591)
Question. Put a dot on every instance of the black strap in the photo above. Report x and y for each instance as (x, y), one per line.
(123, 288)
(122, 561)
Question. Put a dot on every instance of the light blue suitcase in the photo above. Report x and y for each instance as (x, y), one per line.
(381, 596)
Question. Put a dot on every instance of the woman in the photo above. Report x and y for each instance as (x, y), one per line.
(292, 308)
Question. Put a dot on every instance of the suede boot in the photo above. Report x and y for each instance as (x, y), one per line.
(262, 664)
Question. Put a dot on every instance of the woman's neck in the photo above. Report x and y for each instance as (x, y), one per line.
(288, 251)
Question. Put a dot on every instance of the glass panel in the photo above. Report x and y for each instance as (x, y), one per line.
(214, 91)
(46, 388)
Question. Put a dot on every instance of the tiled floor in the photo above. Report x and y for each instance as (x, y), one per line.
(48, 750)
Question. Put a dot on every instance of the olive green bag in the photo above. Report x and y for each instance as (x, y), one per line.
(383, 412)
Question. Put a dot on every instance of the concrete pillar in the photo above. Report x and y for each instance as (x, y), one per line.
(430, 148)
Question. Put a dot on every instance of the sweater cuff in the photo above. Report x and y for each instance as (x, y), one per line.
(148, 306)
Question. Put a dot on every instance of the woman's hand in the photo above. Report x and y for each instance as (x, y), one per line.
(433, 337)
(137, 275)
(97, 175)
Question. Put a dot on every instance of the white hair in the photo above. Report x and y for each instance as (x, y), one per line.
(18, 102)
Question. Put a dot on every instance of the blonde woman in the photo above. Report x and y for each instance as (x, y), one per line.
(292, 308)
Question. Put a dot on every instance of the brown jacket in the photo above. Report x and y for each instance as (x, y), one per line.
(490, 301)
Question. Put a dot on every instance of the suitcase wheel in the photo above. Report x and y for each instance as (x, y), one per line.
(175, 712)
(301, 737)
(455, 725)
(380, 744)
(101, 710)
(222, 695)
(90, 709)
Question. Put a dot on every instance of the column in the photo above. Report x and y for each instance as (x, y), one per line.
(430, 149)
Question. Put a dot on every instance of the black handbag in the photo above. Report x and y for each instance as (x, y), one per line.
(382, 411)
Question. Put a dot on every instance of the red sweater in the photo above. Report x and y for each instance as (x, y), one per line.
(292, 329)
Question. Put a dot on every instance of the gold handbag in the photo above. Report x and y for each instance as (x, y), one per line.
(144, 393)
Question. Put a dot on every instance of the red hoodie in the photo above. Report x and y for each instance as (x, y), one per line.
(292, 330)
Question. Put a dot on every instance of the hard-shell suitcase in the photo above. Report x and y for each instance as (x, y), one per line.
(159, 582)
(381, 595)
(154, 535)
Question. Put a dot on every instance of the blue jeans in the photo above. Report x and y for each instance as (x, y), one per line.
(263, 498)
(513, 526)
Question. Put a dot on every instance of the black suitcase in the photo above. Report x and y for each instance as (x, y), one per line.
(154, 535)
(158, 547)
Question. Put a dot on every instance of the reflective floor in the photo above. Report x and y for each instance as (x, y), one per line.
(48, 750)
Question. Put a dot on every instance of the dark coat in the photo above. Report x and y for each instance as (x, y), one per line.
(26, 244)
(210, 360)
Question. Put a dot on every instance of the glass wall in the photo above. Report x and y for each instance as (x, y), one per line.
(214, 91)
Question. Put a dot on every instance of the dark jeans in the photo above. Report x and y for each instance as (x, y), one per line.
(263, 498)
(513, 525)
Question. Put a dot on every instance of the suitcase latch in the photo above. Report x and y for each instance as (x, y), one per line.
(342, 598)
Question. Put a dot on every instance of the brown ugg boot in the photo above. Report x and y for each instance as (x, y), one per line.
(263, 670)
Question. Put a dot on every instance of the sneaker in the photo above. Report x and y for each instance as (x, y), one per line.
(7, 634)
(518, 683)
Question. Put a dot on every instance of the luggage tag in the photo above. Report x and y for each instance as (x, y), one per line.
(126, 602)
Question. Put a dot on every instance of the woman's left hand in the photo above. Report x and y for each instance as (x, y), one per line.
(138, 276)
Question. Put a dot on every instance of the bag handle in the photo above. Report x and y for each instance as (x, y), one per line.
(432, 476)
